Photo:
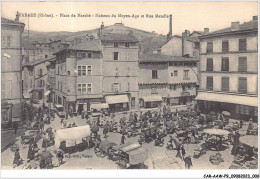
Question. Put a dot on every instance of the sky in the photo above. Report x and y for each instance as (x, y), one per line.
(186, 15)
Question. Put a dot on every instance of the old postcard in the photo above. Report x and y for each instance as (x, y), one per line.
(130, 85)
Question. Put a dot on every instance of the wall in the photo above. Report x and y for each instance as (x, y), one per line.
(172, 47)
(233, 54)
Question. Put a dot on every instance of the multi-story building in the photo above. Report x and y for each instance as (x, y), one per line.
(169, 79)
(11, 71)
(79, 76)
(228, 70)
(36, 78)
(30, 52)
(120, 67)
(170, 74)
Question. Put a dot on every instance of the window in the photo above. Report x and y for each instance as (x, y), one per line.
(186, 75)
(6, 89)
(40, 72)
(175, 72)
(209, 83)
(83, 55)
(154, 74)
(31, 83)
(30, 73)
(84, 88)
(127, 45)
(225, 46)
(225, 84)
(115, 87)
(79, 89)
(33, 53)
(171, 74)
(210, 64)
(68, 73)
(89, 55)
(89, 88)
(242, 45)
(242, 84)
(225, 64)
(81, 70)
(89, 70)
(8, 41)
(133, 102)
(209, 47)
(197, 45)
(26, 59)
(242, 65)
(79, 55)
(115, 55)
(6, 64)
(115, 44)
(46, 56)
(173, 87)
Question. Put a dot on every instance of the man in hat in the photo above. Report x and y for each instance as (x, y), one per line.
(17, 159)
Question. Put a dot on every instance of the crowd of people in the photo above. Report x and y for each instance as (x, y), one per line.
(182, 127)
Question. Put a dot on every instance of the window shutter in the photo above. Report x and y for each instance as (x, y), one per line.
(225, 84)
(242, 67)
(242, 45)
(210, 82)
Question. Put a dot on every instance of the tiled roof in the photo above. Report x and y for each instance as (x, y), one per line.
(163, 58)
(86, 45)
(28, 45)
(36, 62)
(5, 20)
(245, 26)
(119, 37)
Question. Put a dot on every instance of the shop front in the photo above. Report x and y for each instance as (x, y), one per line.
(85, 104)
(240, 107)
(152, 101)
(118, 103)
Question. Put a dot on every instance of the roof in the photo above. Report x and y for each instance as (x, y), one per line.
(251, 25)
(86, 45)
(36, 62)
(5, 20)
(119, 37)
(162, 58)
(176, 36)
(28, 45)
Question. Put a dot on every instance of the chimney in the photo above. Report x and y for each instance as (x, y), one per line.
(187, 32)
(234, 26)
(170, 27)
(206, 31)
(255, 18)
(17, 17)
(102, 28)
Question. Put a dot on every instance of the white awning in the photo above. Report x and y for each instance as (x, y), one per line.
(225, 98)
(152, 98)
(99, 106)
(47, 93)
(117, 99)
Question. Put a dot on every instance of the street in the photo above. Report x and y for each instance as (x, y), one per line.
(87, 159)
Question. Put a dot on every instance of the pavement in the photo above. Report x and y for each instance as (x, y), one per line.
(159, 157)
